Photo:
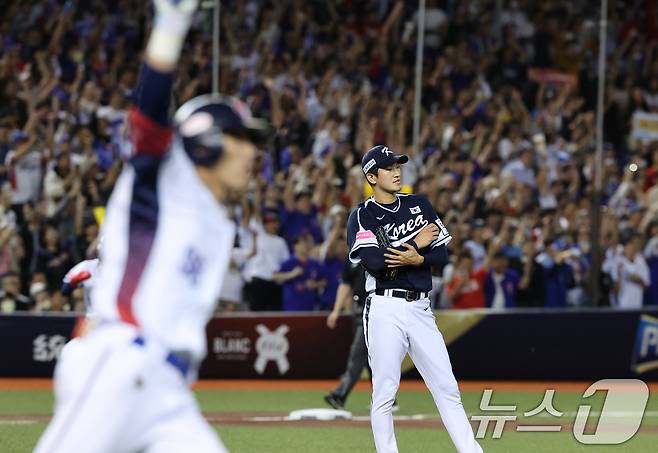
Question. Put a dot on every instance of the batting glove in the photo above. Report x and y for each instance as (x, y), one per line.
(172, 21)
(176, 6)
(175, 13)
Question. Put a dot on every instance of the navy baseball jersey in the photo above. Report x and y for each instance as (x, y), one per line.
(402, 221)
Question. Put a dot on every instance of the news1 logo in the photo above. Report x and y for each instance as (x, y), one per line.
(645, 355)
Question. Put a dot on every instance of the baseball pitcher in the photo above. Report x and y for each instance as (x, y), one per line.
(397, 238)
(167, 242)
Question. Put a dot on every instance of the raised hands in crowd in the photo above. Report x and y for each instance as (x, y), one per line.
(505, 150)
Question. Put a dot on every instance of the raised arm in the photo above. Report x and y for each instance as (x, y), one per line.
(149, 121)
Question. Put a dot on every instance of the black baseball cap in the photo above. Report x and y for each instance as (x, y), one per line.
(381, 156)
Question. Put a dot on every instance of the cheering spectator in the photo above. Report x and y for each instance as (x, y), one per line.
(301, 217)
(269, 252)
(466, 287)
(631, 274)
(58, 181)
(301, 205)
(332, 263)
(300, 276)
(552, 275)
(40, 296)
(11, 300)
(521, 169)
(23, 164)
(52, 259)
(502, 283)
(10, 245)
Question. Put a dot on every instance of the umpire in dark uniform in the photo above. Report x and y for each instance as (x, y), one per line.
(351, 289)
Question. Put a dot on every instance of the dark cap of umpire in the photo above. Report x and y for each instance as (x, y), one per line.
(380, 156)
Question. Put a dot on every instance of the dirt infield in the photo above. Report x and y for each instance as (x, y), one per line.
(24, 384)
(270, 419)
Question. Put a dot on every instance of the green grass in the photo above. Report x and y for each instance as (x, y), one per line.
(240, 439)
(35, 402)
(410, 402)
(352, 440)
(18, 438)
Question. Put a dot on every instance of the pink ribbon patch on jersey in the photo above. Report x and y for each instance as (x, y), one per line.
(362, 235)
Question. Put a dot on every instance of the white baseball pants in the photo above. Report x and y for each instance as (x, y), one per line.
(393, 327)
(112, 395)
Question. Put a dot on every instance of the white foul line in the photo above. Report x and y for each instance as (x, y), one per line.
(421, 417)
(539, 428)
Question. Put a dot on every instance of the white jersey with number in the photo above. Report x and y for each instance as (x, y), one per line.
(166, 249)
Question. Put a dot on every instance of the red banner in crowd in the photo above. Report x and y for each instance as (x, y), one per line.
(552, 77)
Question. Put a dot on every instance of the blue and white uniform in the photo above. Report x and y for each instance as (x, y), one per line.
(179, 239)
(124, 387)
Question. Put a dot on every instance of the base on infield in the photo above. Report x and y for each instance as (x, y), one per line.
(320, 414)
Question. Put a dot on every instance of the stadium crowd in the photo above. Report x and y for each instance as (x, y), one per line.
(505, 156)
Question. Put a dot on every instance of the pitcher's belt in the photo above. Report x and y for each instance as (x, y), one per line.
(409, 296)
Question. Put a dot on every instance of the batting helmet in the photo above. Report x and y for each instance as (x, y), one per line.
(203, 121)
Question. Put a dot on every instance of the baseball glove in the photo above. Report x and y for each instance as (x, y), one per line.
(384, 242)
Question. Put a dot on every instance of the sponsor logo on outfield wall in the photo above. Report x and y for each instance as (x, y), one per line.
(645, 353)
